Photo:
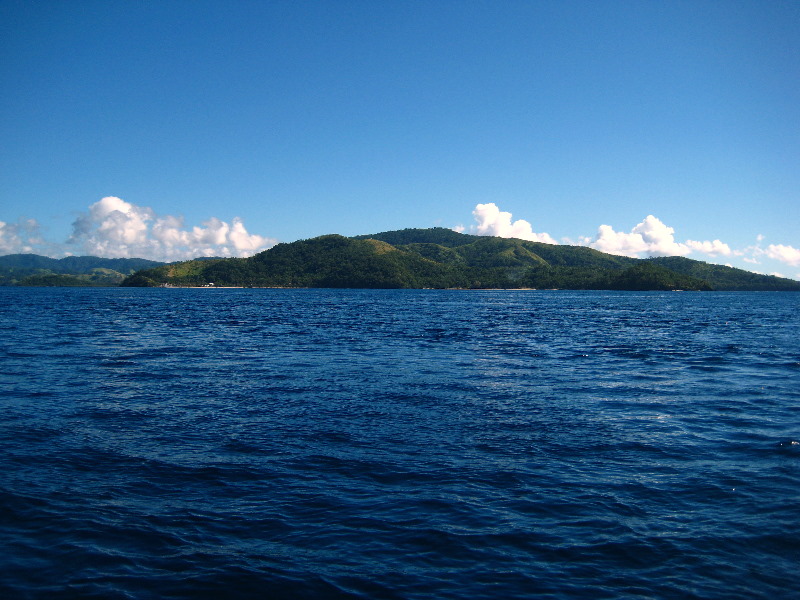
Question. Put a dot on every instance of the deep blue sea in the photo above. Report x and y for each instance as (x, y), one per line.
(226, 443)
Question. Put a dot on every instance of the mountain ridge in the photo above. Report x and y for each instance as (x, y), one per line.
(37, 270)
(442, 258)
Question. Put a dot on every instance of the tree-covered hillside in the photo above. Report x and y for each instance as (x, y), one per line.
(435, 235)
(35, 270)
(721, 277)
(441, 258)
(328, 261)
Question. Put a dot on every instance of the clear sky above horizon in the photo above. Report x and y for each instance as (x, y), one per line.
(166, 129)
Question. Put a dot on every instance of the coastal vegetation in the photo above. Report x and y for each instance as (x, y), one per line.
(442, 258)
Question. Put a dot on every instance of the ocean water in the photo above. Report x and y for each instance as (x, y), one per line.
(179, 443)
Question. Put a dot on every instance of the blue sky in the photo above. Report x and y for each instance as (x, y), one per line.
(221, 127)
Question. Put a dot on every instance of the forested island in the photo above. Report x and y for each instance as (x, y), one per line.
(442, 258)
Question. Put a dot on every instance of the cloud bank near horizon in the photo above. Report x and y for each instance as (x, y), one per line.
(114, 228)
(649, 238)
(119, 229)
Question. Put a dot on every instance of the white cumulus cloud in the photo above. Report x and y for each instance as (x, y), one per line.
(115, 228)
(492, 221)
(22, 237)
(715, 248)
(783, 253)
(651, 237)
(617, 242)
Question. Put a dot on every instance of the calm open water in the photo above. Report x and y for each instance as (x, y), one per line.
(398, 444)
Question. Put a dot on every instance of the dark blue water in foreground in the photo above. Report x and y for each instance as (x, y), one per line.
(398, 444)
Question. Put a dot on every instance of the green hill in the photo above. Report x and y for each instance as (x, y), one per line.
(329, 261)
(35, 270)
(435, 235)
(720, 277)
(442, 258)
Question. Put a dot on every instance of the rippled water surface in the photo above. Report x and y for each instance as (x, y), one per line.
(398, 444)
